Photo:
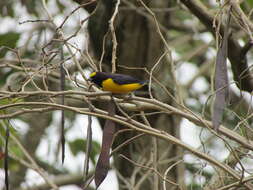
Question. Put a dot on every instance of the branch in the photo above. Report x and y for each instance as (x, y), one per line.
(60, 180)
(33, 163)
(140, 127)
(137, 104)
(239, 64)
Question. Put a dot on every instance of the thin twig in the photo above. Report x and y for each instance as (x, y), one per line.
(114, 39)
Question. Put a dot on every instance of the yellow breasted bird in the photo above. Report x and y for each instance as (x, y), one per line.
(116, 83)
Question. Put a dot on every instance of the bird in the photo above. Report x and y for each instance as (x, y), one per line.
(116, 83)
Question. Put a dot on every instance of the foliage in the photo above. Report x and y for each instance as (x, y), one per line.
(78, 145)
(8, 40)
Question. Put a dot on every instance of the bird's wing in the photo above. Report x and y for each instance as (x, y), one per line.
(125, 79)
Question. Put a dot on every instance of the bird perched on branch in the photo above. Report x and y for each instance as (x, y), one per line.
(116, 83)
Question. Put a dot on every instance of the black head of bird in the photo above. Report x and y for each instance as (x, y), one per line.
(98, 78)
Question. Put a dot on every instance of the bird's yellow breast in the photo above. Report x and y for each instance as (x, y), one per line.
(110, 85)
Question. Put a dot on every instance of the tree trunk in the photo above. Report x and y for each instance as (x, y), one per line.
(139, 46)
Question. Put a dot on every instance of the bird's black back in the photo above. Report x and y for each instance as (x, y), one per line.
(117, 78)
(124, 79)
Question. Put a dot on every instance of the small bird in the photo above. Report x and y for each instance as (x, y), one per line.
(116, 83)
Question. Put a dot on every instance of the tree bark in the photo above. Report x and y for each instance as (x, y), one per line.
(139, 46)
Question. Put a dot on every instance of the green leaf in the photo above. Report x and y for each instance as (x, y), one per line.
(7, 101)
(3, 126)
(76, 146)
(13, 164)
(79, 145)
(250, 2)
(10, 40)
